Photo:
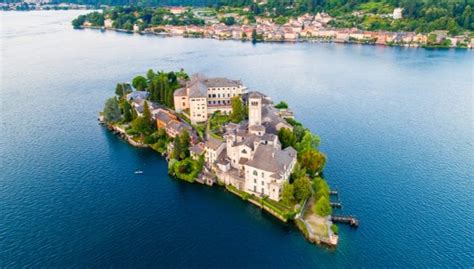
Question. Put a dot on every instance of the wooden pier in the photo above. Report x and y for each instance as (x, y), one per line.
(352, 221)
(333, 192)
(336, 205)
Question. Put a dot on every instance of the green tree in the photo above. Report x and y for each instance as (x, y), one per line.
(312, 160)
(287, 195)
(308, 141)
(184, 142)
(111, 111)
(150, 74)
(79, 21)
(302, 188)
(254, 36)
(127, 111)
(281, 105)
(122, 89)
(147, 113)
(287, 137)
(181, 146)
(140, 125)
(228, 21)
(139, 83)
(323, 207)
(297, 173)
(238, 110)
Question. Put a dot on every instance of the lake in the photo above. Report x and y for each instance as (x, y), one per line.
(396, 124)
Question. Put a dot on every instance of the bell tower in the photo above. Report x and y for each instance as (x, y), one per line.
(255, 109)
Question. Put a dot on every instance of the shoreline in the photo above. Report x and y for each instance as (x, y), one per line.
(305, 40)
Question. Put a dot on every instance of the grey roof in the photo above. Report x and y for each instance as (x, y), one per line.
(213, 143)
(162, 116)
(255, 95)
(221, 82)
(249, 141)
(198, 85)
(137, 94)
(180, 92)
(271, 159)
(196, 149)
(257, 128)
(271, 118)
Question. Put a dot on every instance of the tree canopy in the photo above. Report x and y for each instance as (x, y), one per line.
(239, 111)
(112, 111)
(139, 83)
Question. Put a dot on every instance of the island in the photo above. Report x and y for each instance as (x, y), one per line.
(388, 23)
(216, 132)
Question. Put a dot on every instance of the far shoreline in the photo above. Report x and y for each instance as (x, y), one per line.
(144, 33)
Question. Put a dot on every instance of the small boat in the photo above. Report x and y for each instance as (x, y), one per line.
(138, 172)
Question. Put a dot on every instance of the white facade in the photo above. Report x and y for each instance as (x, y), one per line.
(204, 96)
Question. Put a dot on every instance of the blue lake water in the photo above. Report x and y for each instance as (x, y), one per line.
(397, 126)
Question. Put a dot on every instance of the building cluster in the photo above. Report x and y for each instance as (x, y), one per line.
(306, 28)
(250, 156)
(39, 5)
(163, 116)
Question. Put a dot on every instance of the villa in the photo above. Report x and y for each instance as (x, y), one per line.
(203, 96)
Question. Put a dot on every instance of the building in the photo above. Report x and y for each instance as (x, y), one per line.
(397, 13)
(203, 96)
(251, 158)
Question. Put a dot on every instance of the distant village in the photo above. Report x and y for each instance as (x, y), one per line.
(306, 28)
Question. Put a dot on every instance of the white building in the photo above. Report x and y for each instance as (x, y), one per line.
(203, 96)
(397, 13)
(252, 159)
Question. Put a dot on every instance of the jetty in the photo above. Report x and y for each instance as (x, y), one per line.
(333, 192)
(351, 220)
(336, 205)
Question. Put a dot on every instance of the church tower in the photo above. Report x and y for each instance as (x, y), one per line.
(255, 109)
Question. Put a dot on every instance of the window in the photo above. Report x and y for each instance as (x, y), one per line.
(262, 183)
(262, 191)
(255, 173)
(263, 174)
(184, 104)
(255, 180)
(255, 188)
(219, 95)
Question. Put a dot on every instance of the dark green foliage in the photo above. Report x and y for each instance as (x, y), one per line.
(302, 188)
(79, 21)
(112, 111)
(239, 111)
(95, 18)
(323, 207)
(312, 160)
(122, 89)
(127, 111)
(139, 83)
(228, 21)
(181, 146)
(287, 137)
(281, 105)
(287, 194)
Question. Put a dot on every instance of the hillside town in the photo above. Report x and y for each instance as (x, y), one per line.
(252, 155)
(305, 28)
